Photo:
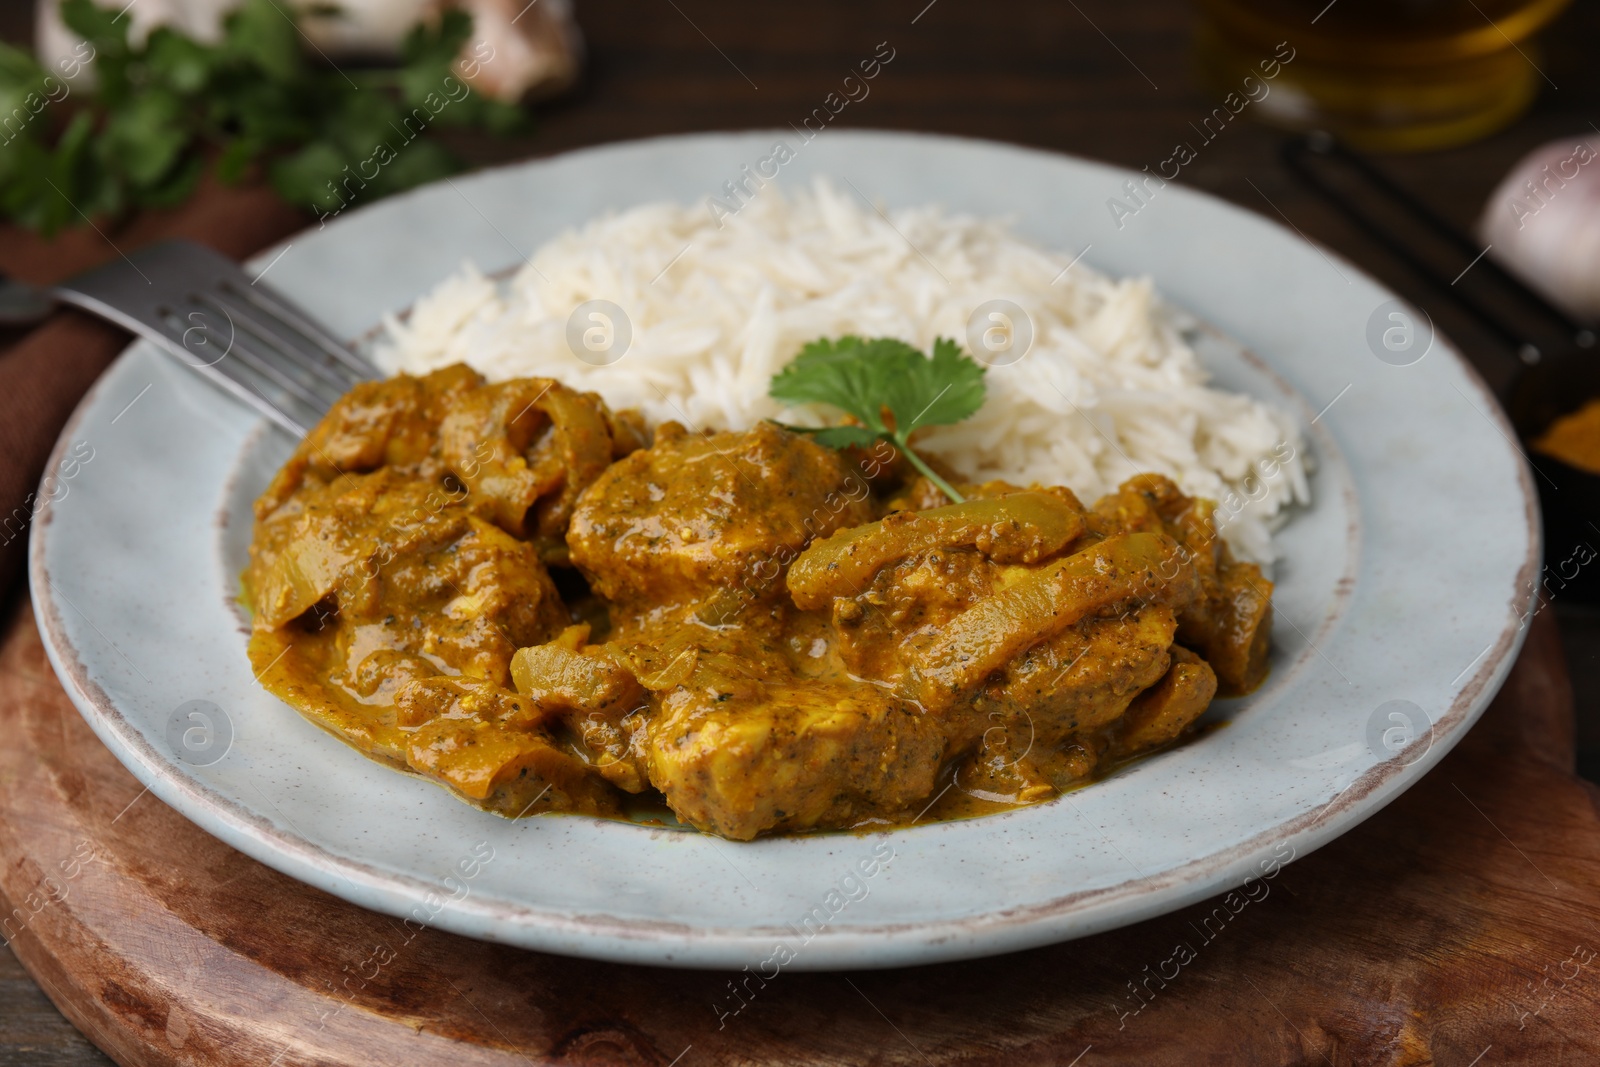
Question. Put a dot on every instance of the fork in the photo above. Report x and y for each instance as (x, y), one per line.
(200, 308)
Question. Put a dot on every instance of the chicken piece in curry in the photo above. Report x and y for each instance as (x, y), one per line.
(540, 604)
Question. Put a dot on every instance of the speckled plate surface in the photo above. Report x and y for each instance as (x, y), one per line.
(1401, 601)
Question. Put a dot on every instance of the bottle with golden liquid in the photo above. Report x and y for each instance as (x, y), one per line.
(1385, 75)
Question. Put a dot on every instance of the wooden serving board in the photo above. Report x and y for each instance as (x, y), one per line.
(1459, 926)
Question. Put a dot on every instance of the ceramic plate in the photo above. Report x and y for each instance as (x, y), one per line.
(1401, 600)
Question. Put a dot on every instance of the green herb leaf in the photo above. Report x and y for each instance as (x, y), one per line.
(262, 33)
(177, 186)
(146, 137)
(141, 130)
(843, 436)
(308, 175)
(102, 27)
(869, 378)
(184, 65)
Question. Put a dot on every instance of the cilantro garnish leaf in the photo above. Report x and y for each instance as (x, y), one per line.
(842, 436)
(890, 387)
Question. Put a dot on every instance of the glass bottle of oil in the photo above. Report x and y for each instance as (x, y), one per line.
(1386, 75)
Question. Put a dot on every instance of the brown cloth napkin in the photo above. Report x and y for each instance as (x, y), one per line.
(46, 373)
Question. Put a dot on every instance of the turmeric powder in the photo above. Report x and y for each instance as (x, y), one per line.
(1574, 438)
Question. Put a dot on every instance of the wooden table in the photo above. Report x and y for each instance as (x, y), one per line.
(1112, 81)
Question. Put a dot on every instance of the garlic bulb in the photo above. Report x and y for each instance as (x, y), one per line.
(521, 53)
(518, 49)
(1543, 224)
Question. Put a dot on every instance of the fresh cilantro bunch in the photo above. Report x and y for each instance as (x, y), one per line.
(891, 387)
(160, 110)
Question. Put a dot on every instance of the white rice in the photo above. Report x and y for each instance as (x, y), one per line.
(1108, 389)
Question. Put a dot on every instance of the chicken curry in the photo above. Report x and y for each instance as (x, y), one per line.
(545, 606)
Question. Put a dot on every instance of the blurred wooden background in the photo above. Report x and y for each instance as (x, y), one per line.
(1102, 79)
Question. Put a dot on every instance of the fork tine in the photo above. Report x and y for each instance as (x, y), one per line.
(268, 369)
(340, 371)
(232, 376)
(239, 390)
(261, 364)
(309, 363)
(271, 305)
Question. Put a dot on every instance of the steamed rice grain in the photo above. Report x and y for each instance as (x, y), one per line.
(1108, 389)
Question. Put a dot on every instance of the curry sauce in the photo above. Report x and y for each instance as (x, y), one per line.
(539, 604)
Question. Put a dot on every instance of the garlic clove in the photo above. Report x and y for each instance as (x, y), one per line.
(1543, 224)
